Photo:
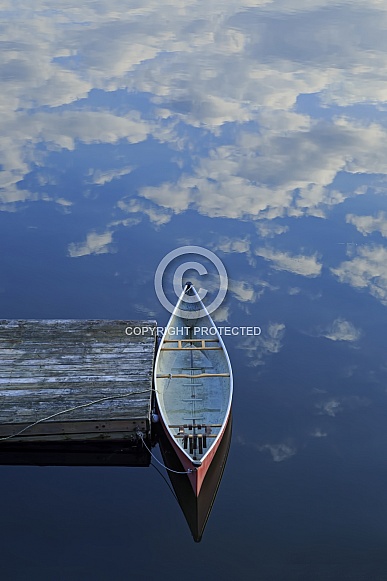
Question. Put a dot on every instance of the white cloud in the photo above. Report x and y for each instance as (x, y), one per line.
(279, 452)
(270, 229)
(22, 133)
(103, 177)
(158, 216)
(294, 290)
(317, 433)
(63, 129)
(257, 348)
(212, 64)
(367, 270)
(221, 314)
(277, 173)
(330, 407)
(63, 202)
(12, 194)
(94, 244)
(127, 222)
(368, 224)
(333, 406)
(228, 245)
(342, 330)
(297, 264)
(242, 290)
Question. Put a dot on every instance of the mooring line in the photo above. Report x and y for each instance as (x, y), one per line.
(140, 435)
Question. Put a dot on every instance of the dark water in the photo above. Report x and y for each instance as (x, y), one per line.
(258, 132)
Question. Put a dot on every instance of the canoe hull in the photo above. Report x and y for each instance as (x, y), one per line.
(196, 509)
(196, 474)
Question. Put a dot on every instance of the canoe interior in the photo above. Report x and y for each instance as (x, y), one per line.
(193, 384)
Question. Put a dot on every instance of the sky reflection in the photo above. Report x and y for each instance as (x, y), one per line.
(258, 131)
(268, 120)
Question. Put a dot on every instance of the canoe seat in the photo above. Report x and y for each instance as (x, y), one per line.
(192, 347)
(196, 435)
(195, 441)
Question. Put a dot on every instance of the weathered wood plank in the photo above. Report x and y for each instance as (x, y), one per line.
(70, 429)
(52, 366)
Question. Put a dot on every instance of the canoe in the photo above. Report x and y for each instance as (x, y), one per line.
(193, 384)
(196, 509)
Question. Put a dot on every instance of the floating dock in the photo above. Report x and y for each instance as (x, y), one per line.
(75, 386)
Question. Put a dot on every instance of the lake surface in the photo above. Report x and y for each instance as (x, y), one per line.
(257, 131)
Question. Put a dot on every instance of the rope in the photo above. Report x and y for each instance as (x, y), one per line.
(84, 405)
(158, 461)
(165, 480)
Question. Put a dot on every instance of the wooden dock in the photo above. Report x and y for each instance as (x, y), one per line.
(75, 383)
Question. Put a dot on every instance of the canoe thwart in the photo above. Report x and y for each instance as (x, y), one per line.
(189, 340)
(190, 426)
(188, 376)
(190, 348)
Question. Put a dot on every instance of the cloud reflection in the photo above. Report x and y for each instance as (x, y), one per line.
(94, 244)
(206, 71)
(257, 349)
(342, 330)
(302, 265)
(366, 270)
(279, 452)
(260, 113)
(368, 224)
